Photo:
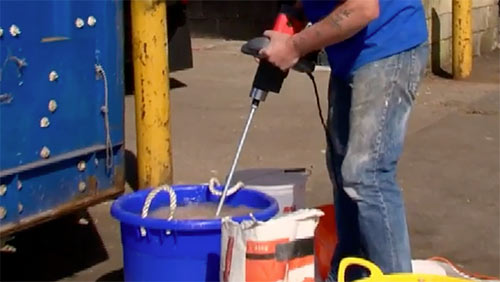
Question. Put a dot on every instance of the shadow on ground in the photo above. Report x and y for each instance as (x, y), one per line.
(131, 170)
(436, 67)
(174, 83)
(115, 275)
(53, 250)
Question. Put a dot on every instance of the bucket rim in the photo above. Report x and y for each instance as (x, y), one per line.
(131, 218)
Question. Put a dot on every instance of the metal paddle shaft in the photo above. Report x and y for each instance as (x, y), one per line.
(268, 78)
(255, 105)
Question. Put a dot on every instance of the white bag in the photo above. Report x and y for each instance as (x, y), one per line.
(281, 249)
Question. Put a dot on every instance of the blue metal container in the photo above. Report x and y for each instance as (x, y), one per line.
(61, 108)
(191, 252)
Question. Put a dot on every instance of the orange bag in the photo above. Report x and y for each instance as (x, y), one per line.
(325, 240)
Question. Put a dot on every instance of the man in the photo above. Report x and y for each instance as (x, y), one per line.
(377, 50)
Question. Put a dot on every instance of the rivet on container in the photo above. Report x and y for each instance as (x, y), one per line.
(79, 23)
(53, 76)
(52, 106)
(82, 186)
(45, 152)
(1, 32)
(3, 212)
(14, 30)
(91, 20)
(19, 185)
(3, 189)
(81, 166)
(44, 122)
(20, 207)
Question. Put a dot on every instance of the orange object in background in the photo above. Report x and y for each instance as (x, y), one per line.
(325, 240)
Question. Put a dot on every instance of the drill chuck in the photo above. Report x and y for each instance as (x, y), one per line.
(258, 94)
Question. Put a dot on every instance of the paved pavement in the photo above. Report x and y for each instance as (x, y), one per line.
(449, 171)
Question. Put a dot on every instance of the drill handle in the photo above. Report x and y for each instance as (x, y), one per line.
(253, 47)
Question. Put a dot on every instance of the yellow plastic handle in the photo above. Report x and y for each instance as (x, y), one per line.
(347, 262)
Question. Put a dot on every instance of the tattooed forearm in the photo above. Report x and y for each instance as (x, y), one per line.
(299, 41)
(336, 18)
(346, 20)
(346, 12)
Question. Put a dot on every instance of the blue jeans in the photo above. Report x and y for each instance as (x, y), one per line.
(367, 120)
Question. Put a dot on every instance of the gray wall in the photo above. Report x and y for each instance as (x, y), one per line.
(439, 21)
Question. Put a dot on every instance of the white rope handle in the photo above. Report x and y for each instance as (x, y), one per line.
(149, 200)
(173, 198)
(215, 182)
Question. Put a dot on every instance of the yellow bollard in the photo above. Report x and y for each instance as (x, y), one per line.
(152, 100)
(462, 38)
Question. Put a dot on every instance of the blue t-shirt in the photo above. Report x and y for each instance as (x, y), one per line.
(400, 26)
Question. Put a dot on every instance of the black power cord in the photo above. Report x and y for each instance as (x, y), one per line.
(320, 110)
(325, 128)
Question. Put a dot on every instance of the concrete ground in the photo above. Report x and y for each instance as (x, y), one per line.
(449, 170)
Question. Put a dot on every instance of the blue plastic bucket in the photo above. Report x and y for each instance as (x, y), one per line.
(191, 250)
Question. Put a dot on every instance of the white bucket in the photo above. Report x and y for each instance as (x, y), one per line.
(287, 186)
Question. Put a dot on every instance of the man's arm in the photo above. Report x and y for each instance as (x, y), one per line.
(343, 22)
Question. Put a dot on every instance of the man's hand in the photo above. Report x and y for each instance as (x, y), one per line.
(281, 51)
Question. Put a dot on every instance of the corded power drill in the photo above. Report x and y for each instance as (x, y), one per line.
(268, 77)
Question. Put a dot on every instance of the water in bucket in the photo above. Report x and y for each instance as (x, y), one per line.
(202, 211)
